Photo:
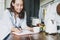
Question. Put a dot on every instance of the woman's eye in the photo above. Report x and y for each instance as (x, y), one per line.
(19, 5)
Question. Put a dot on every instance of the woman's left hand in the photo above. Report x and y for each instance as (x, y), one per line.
(30, 29)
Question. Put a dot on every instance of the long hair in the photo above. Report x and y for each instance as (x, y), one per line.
(21, 14)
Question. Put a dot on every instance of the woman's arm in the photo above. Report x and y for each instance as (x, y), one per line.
(13, 29)
(8, 22)
(24, 24)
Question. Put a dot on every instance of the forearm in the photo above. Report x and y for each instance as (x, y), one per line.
(13, 29)
(29, 28)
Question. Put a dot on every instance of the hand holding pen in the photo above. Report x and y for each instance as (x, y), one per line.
(16, 29)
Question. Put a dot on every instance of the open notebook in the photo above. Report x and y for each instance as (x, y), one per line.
(24, 32)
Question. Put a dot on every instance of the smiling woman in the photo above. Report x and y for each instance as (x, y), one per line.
(15, 17)
(17, 5)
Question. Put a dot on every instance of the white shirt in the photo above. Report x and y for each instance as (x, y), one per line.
(6, 23)
(51, 15)
(11, 20)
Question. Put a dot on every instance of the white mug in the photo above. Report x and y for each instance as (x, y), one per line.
(36, 29)
(35, 21)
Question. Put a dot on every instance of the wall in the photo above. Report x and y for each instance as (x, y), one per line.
(1, 8)
(3, 5)
(7, 3)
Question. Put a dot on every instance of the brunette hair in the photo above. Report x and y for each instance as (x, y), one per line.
(58, 9)
(21, 14)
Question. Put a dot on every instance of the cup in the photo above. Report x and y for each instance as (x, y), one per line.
(36, 29)
(35, 21)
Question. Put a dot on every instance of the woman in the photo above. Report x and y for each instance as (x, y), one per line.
(15, 16)
(52, 18)
(18, 15)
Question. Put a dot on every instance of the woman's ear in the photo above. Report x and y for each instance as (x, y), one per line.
(13, 4)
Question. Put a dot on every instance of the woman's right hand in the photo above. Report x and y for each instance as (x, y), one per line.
(15, 29)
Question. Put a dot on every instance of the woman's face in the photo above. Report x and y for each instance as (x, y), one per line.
(18, 5)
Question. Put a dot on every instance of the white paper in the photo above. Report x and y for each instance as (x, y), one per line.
(24, 32)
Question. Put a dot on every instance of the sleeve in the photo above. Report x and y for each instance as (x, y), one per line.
(7, 20)
(24, 24)
(5, 25)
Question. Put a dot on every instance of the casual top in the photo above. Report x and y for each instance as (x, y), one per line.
(10, 20)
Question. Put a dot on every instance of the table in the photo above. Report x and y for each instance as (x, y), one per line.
(39, 36)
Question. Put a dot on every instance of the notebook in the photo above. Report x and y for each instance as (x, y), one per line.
(24, 32)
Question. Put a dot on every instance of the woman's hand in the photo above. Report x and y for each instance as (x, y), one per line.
(15, 29)
(30, 29)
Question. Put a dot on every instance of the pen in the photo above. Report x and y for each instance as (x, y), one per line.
(17, 27)
(20, 27)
